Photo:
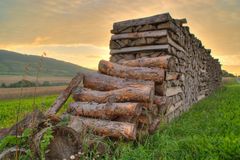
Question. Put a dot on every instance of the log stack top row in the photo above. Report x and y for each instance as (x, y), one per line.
(157, 70)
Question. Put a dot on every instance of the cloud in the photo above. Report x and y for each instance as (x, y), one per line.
(215, 22)
(41, 40)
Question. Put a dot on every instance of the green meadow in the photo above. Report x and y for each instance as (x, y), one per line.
(210, 130)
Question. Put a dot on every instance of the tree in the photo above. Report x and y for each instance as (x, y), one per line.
(3, 85)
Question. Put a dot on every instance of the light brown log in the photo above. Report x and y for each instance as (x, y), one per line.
(102, 82)
(173, 91)
(62, 98)
(163, 90)
(154, 125)
(172, 76)
(12, 153)
(134, 35)
(153, 108)
(162, 103)
(145, 118)
(164, 47)
(136, 93)
(173, 107)
(65, 142)
(105, 110)
(145, 41)
(160, 89)
(119, 26)
(160, 100)
(129, 119)
(104, 127)
(166, 62)
(142, 73)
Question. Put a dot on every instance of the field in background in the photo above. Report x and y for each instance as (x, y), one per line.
(13, 93)
(8, 108)
(230, 80)
(8, 79)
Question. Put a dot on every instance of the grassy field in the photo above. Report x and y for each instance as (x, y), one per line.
(8, 108)
(210, 130)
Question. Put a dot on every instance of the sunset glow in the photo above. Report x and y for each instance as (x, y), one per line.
(78, 31)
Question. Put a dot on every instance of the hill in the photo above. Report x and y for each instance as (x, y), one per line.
(12, 63)
(227, 74)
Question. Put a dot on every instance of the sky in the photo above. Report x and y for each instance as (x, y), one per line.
(78, 31)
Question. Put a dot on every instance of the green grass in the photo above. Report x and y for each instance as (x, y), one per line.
(210, 130)
(8, 108)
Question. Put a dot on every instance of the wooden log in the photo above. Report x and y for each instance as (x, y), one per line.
(142, 73)
(12, 153)
(145, 118)
(160, 100)
(65, 142)
(162, 47)
(62, 98)
(135, 35)
(104, 127)
(173, 107)
(102, 82)
(153, 108)
(106, 110)
(162, 103)
(160, 89)
(3, 132)
(170, 25)
(146, 41)
(163, 90)
(180, 22)
(154, 125)
(136, 93)
(172, 76)
(166, 62)
(119, 26)
(31, 120)
(146, 27)
(173, 91)
(129, 119)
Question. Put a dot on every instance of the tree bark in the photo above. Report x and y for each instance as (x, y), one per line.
(160, 47)
(154, 125)
(65, 142)
(134, 35)
(104, 127)
(62, 98)
(118, 26)
(172, 76)
(143, 73)
(106, 110)
(160, 100)
(102, 82)
(166, 62)
(136, 93)
(160, 89)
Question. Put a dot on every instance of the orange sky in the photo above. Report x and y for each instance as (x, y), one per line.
(78, 31)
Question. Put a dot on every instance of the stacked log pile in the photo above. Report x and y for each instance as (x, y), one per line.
(157, 70)
(191, 72)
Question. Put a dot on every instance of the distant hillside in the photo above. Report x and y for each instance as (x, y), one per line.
(12, 63)
(227, 74)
